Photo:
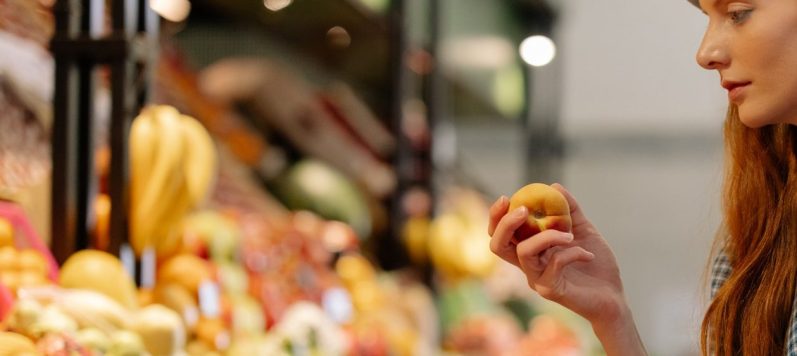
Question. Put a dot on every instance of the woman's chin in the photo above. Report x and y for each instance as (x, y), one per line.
(753, 120)
(754, 124)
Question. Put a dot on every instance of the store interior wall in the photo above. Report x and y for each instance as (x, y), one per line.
(641, 123)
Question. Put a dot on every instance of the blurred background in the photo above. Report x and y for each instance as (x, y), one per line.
(346, 153)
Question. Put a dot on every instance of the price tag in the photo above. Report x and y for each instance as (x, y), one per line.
(148, 261)
(128, 259)
(209, 299)
(337, 304)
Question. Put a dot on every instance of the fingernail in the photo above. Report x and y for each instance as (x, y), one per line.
(569, 237)
(503, 199)
(521, 211)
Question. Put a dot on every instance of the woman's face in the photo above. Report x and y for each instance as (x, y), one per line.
(753, 46)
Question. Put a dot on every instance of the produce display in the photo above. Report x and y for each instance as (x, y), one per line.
(26, 86)
(288, 104)
(101, 272)
(22, 268)
(237, 250)
(224, 272)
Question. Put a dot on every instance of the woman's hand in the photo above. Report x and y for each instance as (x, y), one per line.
(577, 270)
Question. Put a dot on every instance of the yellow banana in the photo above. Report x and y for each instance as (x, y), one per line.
(13, 344)
(200, 162)
(161, 185)
(143, 146)
(168, 179)
(167, 233)
(199, 169)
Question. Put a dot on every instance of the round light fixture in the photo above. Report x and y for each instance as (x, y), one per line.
(276, 5)
(172, 10)
(537, 50)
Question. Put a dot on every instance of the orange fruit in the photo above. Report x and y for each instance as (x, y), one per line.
(31, 261)
(6, 233)
(8, 259)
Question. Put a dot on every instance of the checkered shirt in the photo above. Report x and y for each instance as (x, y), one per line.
(721, 269)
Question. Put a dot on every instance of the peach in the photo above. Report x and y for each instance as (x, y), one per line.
(548, 209)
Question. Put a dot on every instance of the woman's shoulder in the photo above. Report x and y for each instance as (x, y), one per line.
(720, 270)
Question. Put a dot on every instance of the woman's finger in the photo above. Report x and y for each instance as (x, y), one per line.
(497, 211)
(550, 284)
(501, 242)
(532, 251)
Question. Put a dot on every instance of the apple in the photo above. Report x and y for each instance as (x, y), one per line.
(548, 209)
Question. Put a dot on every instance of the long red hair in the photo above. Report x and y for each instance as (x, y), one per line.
(751, 312)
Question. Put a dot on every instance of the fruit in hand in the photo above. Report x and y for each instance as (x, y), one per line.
(548, 209)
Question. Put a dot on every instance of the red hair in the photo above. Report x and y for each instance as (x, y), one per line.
(751, 312)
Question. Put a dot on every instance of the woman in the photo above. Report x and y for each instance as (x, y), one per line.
(752, 44)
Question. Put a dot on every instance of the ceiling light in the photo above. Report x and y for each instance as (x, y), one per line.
(276, 5)
(537, 50)
(172, 10)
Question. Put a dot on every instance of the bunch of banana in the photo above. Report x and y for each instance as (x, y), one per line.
(173, 165)
(458, 244)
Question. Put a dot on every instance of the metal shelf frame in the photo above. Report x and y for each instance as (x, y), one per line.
(80, 45)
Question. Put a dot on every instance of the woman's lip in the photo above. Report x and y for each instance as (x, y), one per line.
(736, 92)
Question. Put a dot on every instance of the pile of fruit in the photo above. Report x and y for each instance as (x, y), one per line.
(231, 277)
(218, 296)
(223, 280)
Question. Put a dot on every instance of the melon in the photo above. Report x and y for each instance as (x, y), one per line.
(101, 272)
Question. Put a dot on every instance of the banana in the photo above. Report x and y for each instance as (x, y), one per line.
(143, 146)
(200, 162)
(199, 170)
(168, 179)
(161, 185)
(167, 235)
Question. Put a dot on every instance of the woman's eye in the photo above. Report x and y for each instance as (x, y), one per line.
(739, 16)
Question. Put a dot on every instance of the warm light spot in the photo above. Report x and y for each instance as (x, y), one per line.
(276, 5)
(537, 50)
(338, 37)
(172, 10)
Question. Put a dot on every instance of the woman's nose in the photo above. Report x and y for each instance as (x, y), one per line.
(712, 53)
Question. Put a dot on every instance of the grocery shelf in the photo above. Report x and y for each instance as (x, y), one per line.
(303, 27)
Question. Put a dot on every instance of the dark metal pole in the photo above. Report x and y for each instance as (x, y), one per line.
(434, 93)
(121, 114)
(77, 53)
(120, 124)
(390, 251)
(64, 210)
